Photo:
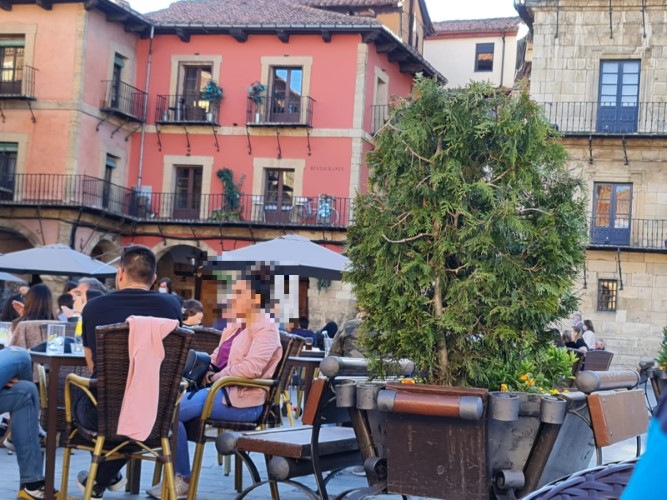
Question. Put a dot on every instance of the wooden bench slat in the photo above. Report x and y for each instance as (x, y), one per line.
(295, 443)
(617, 416)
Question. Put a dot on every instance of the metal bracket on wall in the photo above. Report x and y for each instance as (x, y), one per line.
(247, 133)
(280, 151)
(644, 17)
(119, 127)
(620, 270)
(133, 131)
(585, 274)
(590, 149)
(159, 139)
(557, 17)
(625, 150)
(164, 240)
(611, 29)
(32, 113)
(215, 138)
(2, 114)
(99, 124)
(310, 151)
(187, 139)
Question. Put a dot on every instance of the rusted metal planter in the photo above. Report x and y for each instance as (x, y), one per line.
(658, 381)
(461, 443)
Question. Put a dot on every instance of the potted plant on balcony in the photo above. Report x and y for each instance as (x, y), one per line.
(464, 250)
(256, 94)
(213, 94)
(231, 204)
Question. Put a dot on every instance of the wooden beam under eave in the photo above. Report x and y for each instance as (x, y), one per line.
(134, 28)
(398, 56)
(411, 68)
(183, 35)
(5, 5)
(370, 37)
(326, 36)
(90, 4)
(239, 35)
(117, 17)
(283, 36)
(44, 4)
(385, 47)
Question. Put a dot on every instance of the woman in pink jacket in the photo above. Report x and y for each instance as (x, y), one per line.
(249, 348)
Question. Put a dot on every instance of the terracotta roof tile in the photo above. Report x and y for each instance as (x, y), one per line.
(350, 3)
(477, 25)
(248, 12)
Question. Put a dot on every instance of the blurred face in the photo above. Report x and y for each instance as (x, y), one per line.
(242, 302)
(163, 288)
(80, 291)
(195, 319)
(24, 289)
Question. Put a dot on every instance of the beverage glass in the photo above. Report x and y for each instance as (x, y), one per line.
(77, 345)
(55, 343)
(309, 343)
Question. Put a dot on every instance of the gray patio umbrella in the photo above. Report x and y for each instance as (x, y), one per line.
(291, 254)
(11, 278)
(57, 260)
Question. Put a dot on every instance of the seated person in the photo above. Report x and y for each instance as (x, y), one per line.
(574, 340)
(65, 306)
(303, 331)
(19, 397)
(249, 348)
(134, 278)
(193, 312)
(345, 342)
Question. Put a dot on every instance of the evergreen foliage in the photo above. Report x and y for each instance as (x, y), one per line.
(470, 238)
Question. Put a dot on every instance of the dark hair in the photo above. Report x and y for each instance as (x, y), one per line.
(576, 331)
(94, 284)
(192, 307)
(70, 285)
(91, 294)
(139, 263)
(260, 281)
(589, 324)
(66, 300)
(303, 322)
(166, 281)
(38, 304)
(8, 312)
(331, 327)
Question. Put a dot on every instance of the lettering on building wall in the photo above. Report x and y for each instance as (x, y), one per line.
(325, 169)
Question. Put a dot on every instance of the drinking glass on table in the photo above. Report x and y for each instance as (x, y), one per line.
(55, 339)
(309, 343)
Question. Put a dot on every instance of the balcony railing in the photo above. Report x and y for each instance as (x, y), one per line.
(593, 118)
(17, 83)
(641, 234)
(271, 111)
(123, 99)
(94, 193)
(186, 109)
(379, 116)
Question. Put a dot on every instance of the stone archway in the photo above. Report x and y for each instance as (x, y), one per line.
(106, 251)
(14, 237)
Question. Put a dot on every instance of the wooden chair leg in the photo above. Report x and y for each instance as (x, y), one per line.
(238, 474)
(134, 476)
(196, 469)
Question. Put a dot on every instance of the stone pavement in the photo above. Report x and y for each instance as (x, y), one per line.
(214, 485)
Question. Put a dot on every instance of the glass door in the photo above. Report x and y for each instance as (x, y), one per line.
(187, 198)
(618, 106)
(286, 93)
(612, 214)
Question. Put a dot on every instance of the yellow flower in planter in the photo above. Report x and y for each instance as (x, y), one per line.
(408, 381)
(503, 387)
(531, 383)
(524, 377)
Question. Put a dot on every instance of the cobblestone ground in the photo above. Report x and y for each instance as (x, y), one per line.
(214, 485)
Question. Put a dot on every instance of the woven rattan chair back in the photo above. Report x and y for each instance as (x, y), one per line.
(205, 339)
(292, 345)
(112, 369)
(598, 360)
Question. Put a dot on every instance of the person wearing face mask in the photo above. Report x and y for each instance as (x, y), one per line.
(164, 286)
(589, 334)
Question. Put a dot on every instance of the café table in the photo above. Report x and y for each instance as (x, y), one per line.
(53, 362)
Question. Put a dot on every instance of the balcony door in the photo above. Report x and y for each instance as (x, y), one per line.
(618, 105)
(187, 196)
(195, 79)
(8, 154)
(286, 93)
(278, 194)
(11, 65)
(612, 206)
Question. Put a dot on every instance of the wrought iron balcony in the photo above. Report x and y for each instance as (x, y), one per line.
(272, 112)
(379, 116)
(593, 118)
(619, 232)
(17, 83)
(124, 100)
(186, 109)
(82, 191)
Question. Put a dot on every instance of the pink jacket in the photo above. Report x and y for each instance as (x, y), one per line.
(255, 353)
(142, 390)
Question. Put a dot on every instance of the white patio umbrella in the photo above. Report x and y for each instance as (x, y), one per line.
(57, 260)
(291, 255)
(11, 278)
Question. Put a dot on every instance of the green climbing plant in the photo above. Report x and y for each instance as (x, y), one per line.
(232, 196)
(469, 239)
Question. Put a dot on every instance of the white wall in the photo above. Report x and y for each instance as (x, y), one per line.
(455, 58)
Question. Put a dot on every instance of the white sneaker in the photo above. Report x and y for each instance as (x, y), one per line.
(180, 485)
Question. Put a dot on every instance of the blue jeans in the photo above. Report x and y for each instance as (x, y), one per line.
(192, 408)
(22, 403)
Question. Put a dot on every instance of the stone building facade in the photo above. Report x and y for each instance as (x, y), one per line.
(601, 75)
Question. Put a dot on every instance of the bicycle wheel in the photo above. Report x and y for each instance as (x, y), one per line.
(298, 214)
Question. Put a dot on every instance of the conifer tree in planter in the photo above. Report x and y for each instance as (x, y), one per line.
(468, 242)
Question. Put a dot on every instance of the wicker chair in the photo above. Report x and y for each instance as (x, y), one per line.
(205, 339)
(292, 345)
(112, 370)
